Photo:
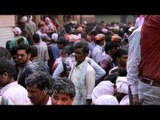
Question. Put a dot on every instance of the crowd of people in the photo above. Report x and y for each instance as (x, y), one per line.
(78, 64)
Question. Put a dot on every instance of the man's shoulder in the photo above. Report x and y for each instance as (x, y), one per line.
(30, 68)
(15, 90)
(90, 68)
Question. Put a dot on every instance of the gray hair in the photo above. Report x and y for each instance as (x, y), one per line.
(64, 86)
(40, 79)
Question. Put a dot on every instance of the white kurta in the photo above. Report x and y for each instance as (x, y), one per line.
(15, 94)
(83, 77)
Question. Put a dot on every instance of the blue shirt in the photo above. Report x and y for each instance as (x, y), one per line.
(133, 61)
(99, 71)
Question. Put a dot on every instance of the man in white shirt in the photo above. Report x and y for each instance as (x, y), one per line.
(82, 75)
(11, 92)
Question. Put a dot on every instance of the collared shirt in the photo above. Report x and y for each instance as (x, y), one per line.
(83, 77)
(133, 61)
(15, 94)
(49, 102)
(42, 51)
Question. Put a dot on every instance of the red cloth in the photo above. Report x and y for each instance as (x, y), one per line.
(56, 63)
(150, 48)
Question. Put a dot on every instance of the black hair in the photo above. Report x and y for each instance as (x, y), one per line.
(24, 47)
(93, 33)
(7, 66)
(20, 41)
(34, 51)
(67, 50)
(110, 45)
(62, 40)
(112, 77)
(8, 44)
(121, 72)
(83, 34)
(36, 38)
(13, 52)
(5, 53)
(82, 45)
(40, 79)
(120, 52)
(115, 73)
(98, 42)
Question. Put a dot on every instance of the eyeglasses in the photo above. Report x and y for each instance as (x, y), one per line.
(21, 55)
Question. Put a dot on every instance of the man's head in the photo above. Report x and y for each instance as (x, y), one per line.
(116, 38)
(63, 92)
(17, 31)
(23, 54)
(106, 100)
(81, 51)
(5, 53)
(103, 88)
(24, 19)
(36, 38)
(13, 52)
(61, 42)
(37, 85)
(121, 87)
(7, 71)
(20, 41)
(121, 56)
(99, 39)
(111, 48)
(54, 37)
(67, 51)
(92, 35)
(41, 26)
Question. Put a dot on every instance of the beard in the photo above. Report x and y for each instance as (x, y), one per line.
(21, 62)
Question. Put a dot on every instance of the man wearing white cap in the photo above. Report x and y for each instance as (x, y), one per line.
(17, 32)
(54, 37)
(24, 19)
(53, 50)
(122, 91)
(103, 88)
(106, 100)
(30, 26)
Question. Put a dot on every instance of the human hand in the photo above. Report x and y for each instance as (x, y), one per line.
(136, 100)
